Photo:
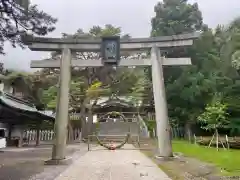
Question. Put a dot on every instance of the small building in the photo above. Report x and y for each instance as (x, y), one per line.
(122, 104)
(16, 114)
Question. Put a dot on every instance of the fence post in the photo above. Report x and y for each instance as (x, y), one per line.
(227, 142)
(38, 136)
(195, 139)
(88, 140)
(154, 134)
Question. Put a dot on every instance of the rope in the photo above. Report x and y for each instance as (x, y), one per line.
(111, 147)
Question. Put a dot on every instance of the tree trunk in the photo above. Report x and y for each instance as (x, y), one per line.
(84, 123)
(84, 128)
(86, 101)
(20, 142)
(90, 122)
(188, 131)
(70, 131)
(217, 136)
(38, 135)
(9, 138)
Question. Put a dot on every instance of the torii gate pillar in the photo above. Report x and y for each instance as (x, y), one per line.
(161, 111)
(60, 127)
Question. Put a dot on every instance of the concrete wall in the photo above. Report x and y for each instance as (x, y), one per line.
(15, 130)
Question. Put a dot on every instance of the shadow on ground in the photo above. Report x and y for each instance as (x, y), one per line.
(23, 163)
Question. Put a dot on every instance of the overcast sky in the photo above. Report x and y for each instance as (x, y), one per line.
(133, 16)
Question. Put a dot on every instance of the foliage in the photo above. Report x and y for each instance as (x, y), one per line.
(214, 55)
(82, 94)
(19, 18)
(95, 90)
(234, 126)
(31, 86)
(139, 86)
(50, 97)
(215, 115)
(176, 17)
(151, 125)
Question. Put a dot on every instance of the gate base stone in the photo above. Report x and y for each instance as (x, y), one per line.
(66, 161)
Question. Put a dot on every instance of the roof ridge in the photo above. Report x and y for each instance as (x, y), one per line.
(19, 100)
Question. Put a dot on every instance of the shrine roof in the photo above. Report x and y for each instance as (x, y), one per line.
(19, 106)
(116, 101)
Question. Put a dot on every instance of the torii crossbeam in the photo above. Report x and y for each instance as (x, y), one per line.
(66, 46)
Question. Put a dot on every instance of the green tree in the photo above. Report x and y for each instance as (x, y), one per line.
(139, 85)
(31, 85)
(176, 17)
(214, 117)
(227, 40)
(50, 98)
(19, 18)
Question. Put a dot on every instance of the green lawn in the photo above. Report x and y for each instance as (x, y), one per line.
(227, 160)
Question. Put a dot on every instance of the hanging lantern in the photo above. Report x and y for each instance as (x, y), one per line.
(110, 49)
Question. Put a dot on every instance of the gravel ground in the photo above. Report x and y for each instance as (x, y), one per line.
(25, 163)
(101, 164)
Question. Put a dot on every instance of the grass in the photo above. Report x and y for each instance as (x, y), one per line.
(226, 160)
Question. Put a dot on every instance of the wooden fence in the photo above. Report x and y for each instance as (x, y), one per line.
(30, 136)
(46, 136)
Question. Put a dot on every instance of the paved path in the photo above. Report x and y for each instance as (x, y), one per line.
(101, 164)
(28, 163)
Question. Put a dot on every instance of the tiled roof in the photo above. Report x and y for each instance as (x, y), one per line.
(19, 104)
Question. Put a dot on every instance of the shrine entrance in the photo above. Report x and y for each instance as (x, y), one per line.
(113, 131)
(110, 48)
(117, 123)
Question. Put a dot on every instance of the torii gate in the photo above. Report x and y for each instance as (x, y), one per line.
(67, 46)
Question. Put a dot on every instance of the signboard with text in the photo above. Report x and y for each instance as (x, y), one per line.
(110, 49)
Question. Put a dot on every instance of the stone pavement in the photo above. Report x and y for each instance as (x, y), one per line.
(125, 164)
(27, 163)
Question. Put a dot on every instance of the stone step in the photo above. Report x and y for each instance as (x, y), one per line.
(108, 139)
(119, 138)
